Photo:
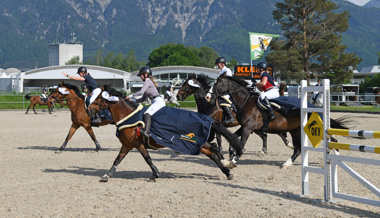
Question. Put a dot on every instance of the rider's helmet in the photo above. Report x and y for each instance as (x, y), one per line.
(82, 69)
(262, 65)
(145, 70)
(220, 60)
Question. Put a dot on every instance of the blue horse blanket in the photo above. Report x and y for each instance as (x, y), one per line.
(180, 130)
(289, 105)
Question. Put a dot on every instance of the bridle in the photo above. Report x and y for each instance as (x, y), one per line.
(233, 91)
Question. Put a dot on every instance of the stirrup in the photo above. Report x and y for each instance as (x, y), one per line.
(272, 116)
(145, 134)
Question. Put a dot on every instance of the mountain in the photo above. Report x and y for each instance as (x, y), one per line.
(373, 4)
(28, 26)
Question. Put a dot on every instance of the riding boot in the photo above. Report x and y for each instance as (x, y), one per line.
(269, 107)
(229, 118)
(148, 121)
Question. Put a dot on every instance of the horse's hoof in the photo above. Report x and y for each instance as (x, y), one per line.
(261, 154)
(58, 151)
(284, 167)
(230, 177)
(227, 163)
(152, 180)
(290, 145)
(104, 178)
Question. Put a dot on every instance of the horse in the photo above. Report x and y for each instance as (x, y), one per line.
(317, 99)
(34, 100)
(281, 90)
(173, 99)
(79, 117)
(252, 119)
(199, 86)
(130, 137)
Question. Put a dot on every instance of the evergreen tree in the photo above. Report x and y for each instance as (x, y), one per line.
(313, 42)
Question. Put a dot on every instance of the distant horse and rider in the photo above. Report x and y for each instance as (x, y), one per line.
(79, 115)
(124, 111)
(49, 101)
(253, 119)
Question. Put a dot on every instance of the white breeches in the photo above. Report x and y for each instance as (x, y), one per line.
(156, 105)
(95, 94)
(270, 94)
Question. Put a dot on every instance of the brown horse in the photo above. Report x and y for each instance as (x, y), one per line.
(79, 116)
(34, 100)
(199, 86)
(252, 119)
(130, 139)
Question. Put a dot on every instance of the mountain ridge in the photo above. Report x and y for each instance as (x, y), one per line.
(143, 25)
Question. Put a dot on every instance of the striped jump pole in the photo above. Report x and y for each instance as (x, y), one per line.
(354, 133)
(353, 147)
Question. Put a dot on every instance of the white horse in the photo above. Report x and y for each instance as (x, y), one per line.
(173, 99)
(317, 99)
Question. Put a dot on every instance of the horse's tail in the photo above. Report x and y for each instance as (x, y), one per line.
(27, 97)
(342, 122)
(231, 138)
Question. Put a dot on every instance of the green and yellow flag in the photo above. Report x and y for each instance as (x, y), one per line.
(259, 43)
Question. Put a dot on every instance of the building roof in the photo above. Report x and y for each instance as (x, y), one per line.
(370, 70)
(55, 72)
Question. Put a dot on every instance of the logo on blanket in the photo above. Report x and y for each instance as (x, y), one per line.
(189, 137)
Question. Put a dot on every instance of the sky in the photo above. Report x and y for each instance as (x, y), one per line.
(359, 2)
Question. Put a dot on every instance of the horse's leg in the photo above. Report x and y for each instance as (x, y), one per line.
(92, 135)
(123, 152)
(27, 110)
(219, 141)
(211, 150)
(285, 139)
(34, 109)
(49, 109)
(149, 161)
(264, 137)
(72, 130)
(296, 137)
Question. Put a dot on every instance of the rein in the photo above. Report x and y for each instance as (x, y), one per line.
(240, 88)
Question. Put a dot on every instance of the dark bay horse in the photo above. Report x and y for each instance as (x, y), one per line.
(251, 118)
(79, 116)
(34, 100)
(199, 86)
(129, 139)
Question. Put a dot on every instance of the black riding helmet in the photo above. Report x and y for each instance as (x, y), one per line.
(262, 65)
(145, 70)
(220, 60)
(82, 69)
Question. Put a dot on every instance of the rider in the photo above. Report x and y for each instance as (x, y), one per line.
(224, 100)
(43, 94)
(170, 91)
(268, 87)
(92, 87)
(149, 90)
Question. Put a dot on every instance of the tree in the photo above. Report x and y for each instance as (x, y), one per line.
(378, 60)
(312, 45)
(131, 64)
(73, 60)
(369, 81)
(173, 54)
(206, 55)
(232, 63)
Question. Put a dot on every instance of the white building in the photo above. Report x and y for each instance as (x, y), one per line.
(60, 54)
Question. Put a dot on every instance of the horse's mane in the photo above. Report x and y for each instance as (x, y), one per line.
(239, 81)
(120, 95)
(75, 88)
(205, 80)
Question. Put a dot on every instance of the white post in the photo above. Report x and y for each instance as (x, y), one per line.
(326, 138)
(304, 141)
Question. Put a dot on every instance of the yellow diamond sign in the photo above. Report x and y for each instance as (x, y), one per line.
(314, 129)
